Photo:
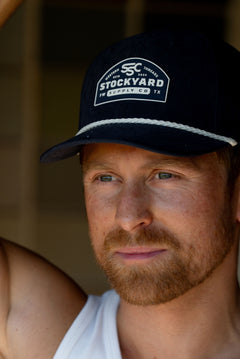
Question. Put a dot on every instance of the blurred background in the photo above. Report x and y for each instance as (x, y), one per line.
(45, 48)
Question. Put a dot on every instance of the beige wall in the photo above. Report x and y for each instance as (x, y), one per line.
(41, 206)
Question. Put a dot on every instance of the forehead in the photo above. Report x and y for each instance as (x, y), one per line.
(95, 155)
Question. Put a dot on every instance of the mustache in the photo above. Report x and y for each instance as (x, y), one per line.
(145, 237)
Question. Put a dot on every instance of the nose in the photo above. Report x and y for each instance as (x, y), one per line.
(133, 209)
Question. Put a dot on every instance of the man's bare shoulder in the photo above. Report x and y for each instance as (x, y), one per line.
(38, 304)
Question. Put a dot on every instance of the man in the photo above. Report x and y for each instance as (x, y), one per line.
(158, 143)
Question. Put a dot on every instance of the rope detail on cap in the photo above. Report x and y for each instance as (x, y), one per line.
(144, 121)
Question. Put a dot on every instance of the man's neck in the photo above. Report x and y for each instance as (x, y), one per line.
(201, 324)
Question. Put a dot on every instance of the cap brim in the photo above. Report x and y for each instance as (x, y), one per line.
(164, 140)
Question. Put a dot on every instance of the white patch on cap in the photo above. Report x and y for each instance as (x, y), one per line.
(145, 121)
(134, 78)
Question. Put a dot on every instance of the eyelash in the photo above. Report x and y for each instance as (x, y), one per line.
(99, 178)
(107, 178)
(165, 175)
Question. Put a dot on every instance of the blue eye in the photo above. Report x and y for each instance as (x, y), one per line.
(105, 178)
(163, 175)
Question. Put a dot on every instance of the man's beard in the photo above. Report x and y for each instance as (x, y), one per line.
(163, 278)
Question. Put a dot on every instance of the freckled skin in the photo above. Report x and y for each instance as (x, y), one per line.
(131, 189)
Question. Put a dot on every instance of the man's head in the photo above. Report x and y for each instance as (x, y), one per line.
(158, 138)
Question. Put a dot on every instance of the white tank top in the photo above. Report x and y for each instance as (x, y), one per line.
(93, 334)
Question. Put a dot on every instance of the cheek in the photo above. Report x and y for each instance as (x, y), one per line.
(171, 203)
(100, 215)
(188, 212)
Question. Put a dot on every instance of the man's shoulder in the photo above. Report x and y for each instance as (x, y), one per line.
(40, 303)
(95, 325)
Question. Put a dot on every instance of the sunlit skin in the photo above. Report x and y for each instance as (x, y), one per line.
(156, 214)
(149, 210)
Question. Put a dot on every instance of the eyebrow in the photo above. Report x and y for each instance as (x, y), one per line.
(96, 165)
(180, 162)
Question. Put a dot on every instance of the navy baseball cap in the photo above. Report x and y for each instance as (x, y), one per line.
(172, 92)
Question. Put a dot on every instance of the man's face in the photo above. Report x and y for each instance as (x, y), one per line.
(159, 224)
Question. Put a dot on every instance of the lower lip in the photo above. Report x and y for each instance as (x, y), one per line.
(139, 255)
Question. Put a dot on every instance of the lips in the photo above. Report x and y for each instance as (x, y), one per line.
(139, 253)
